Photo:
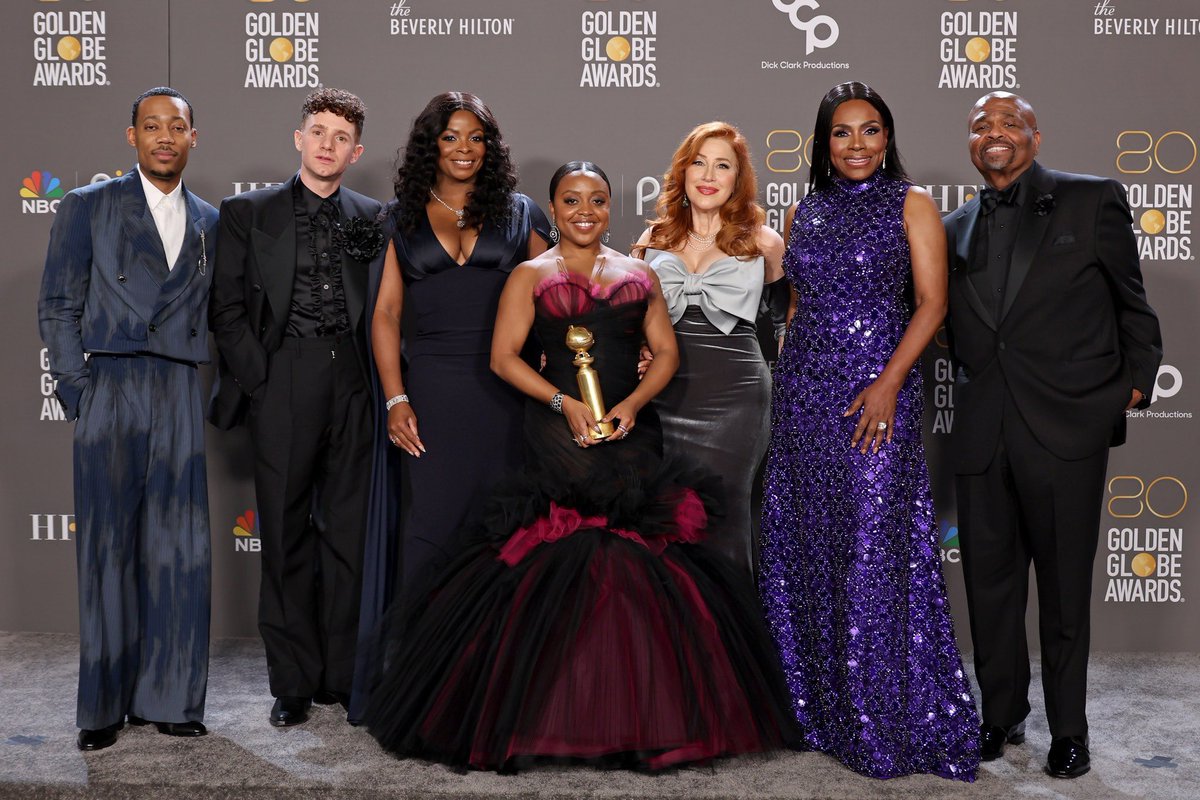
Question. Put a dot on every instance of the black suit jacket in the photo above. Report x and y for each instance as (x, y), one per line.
(252, 289)
(1075, 334)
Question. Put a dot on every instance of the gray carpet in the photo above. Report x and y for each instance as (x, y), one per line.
(1144, 712)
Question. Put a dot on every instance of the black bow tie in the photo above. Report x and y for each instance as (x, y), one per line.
(989, 198)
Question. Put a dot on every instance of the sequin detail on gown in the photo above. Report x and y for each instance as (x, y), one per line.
(851, 573)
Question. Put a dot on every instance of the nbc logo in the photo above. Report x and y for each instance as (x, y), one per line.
(40, 193)
(245, 533)
(950, 549)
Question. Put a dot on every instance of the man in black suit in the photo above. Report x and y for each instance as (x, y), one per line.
(1053, 341)
(289, 293)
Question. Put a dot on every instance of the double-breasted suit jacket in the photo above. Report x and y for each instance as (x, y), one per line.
(107, 289)
(141, 495)
(1075, 333)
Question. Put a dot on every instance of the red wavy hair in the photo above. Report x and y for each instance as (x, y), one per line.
(741, 216)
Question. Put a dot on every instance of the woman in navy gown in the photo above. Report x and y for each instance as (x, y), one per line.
(713, 255)
(850, 574)
(583, 624)
(456, 229)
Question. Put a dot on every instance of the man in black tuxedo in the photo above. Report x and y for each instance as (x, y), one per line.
(1053, 341)
(289, 293)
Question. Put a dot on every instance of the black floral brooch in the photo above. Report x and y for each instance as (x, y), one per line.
(360, 238)
(1043, 205)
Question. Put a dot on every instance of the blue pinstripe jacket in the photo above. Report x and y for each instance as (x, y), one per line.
(106, 287)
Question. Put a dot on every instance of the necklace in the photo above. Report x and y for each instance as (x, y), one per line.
(701, 243)
(458, 212)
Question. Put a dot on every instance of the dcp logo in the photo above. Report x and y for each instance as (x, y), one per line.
(812, 40)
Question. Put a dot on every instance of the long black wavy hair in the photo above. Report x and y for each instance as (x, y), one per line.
(416, 173)
(820, 175)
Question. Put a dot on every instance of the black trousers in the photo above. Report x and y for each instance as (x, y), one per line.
(1031, 505)
(312, 448)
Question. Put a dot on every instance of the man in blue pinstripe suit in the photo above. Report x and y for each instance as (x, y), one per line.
(123, 312)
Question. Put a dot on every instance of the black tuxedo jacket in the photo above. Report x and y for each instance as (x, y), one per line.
(252, 289)
(1075, 333)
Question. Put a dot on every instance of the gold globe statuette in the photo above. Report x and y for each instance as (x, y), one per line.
(580, 339)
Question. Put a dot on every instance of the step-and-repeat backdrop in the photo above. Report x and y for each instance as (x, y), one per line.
(618, 82)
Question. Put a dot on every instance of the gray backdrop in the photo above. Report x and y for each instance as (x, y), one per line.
(618, 82)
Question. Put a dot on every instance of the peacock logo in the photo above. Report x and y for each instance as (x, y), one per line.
(950, 548)
(40, 193)
(245, 533)
(41, 184)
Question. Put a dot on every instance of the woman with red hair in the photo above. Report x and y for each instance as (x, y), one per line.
(713, 256)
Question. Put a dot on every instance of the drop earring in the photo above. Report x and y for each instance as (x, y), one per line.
(606, 237)
(685, 202)
(554, 235)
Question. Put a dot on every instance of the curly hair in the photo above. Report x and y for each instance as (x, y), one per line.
(741, 215)
(416, 173)
(820, 174)
(337, 101)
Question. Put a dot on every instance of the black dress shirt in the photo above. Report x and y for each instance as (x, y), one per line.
(995, 237)
(318, 305)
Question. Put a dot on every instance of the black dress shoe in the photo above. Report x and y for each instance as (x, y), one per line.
(992, 739)
(172, 728)
(289, 711)
(326, 697)
(1069, 757)
(99, 738)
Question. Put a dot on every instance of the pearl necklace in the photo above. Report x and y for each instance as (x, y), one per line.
(458, 212)
(701, 243)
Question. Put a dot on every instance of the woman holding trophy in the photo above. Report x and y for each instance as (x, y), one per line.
(584, 624)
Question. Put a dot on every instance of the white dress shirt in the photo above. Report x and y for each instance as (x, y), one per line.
(170, 216)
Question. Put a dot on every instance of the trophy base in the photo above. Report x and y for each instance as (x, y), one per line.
(606, 430)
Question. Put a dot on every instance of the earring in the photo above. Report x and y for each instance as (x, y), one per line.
(554, 233)
(685, 202)
(883, 166)
(606, 237)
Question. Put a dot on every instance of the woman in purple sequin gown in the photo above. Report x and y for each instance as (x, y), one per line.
(850, 574)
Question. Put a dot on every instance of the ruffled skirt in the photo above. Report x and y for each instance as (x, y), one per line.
(584, 625)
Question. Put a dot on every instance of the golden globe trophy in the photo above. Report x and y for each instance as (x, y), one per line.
(580, 339)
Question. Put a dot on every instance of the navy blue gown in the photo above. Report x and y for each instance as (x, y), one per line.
(469, 420)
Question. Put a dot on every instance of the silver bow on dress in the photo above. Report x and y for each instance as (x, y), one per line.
(728, 291)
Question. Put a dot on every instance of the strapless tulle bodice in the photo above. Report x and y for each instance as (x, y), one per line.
(613, 312)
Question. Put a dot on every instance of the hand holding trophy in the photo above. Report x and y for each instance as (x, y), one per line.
(580, 339)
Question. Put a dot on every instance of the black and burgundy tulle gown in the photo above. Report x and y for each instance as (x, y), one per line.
(584, 624)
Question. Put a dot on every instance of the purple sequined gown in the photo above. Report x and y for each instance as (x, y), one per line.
(850, 574)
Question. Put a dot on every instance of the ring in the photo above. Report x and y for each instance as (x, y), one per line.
(623, 429)
(882, 426)
(394, 439)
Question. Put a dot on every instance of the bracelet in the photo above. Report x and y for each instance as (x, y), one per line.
(393, 402)
(556, 402)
